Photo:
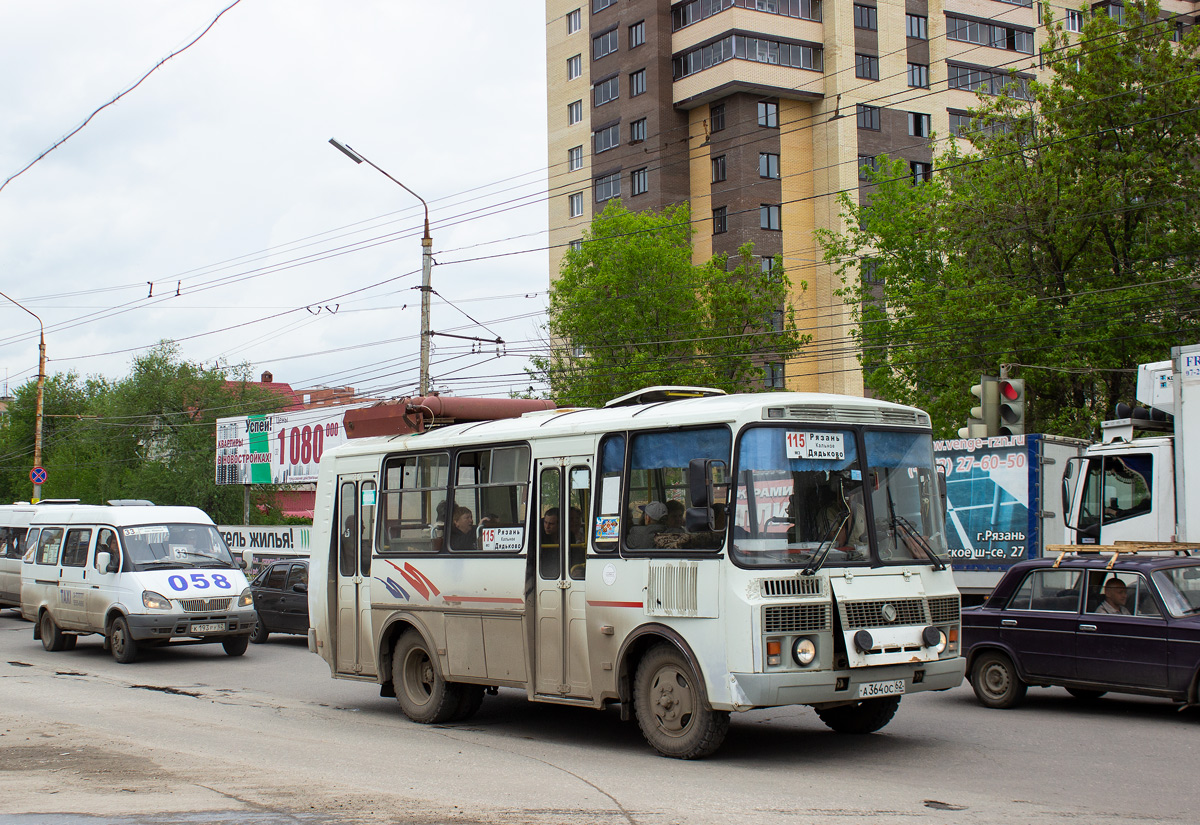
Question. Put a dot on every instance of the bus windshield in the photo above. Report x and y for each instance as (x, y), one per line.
(175, 546)
(805, 496)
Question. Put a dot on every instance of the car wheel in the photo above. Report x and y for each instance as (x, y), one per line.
(995, 680)
(423, 694)
(235, 645)
(260, 633)
(53, 639)
(121, 642)
(671, 711)
(866, 716)
(1086, 695)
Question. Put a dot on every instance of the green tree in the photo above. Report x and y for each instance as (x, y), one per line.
(1062, 241)
(631, 310)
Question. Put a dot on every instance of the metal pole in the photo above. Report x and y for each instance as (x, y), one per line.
(426, 258)
(41, 386)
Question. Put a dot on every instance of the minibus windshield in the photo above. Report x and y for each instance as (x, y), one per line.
(173, 546)
(805, 496)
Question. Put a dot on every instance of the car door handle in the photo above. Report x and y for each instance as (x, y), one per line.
(1008, 622)
(1091, 628)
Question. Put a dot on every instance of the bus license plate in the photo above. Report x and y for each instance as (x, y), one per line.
(216, 628)
(870, 689)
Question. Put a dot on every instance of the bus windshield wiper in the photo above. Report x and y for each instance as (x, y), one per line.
(825, 546)
(913, 533)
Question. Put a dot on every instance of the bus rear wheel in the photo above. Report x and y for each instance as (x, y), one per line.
(866, 716)
(53, 639)
(671, 709)
(423, 694)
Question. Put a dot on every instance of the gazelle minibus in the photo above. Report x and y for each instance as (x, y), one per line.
(685, 558)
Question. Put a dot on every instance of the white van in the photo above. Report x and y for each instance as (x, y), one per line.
(14, 523)
(140, 575)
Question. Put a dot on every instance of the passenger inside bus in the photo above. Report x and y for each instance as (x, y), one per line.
(462, 529)
(654, 515)
(549, 528)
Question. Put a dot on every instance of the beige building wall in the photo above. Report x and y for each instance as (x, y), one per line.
(562, 136)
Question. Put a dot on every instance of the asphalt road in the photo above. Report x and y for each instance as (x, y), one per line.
(189, 735)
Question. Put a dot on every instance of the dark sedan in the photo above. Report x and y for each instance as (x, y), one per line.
(1090, 623)
(281, 599)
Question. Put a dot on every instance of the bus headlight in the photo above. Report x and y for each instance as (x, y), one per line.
(246, 599)
(154, 601)
(932, 637)
(803, 651)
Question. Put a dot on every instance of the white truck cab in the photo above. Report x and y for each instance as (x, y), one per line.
(140, 575)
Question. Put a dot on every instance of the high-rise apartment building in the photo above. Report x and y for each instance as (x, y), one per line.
(760, 112)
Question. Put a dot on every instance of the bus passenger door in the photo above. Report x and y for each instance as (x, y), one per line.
(561, 654)
(353, 646)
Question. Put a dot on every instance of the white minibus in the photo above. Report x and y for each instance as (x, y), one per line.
(684, 558)
(14, 523)
(140, 575)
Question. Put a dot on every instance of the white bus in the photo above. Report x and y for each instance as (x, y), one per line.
(685, 558)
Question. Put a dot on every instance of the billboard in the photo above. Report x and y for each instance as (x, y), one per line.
(280, 448)
(989, 518)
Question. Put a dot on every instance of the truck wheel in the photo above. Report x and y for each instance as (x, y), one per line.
(671, 710)
(121, 642)
(235, 645)
(53, 639)
(866, 716)
(995, 681)
(468, 706)
(260, 633)
(423, 694)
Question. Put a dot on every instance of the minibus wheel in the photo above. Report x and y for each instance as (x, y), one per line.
(423, 694)
(121, 642)
(671, 709)
(53, 639)
(235, 645)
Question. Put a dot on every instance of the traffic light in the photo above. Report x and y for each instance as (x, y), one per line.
(1012, 406)
(987, 412)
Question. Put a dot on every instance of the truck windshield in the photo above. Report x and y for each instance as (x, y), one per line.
(173, 546)
(805, 496)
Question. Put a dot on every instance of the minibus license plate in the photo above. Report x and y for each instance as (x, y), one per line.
(881, 689)
(214, 628)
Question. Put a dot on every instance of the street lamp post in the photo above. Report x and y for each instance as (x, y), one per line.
(426, 261)
(41, 386)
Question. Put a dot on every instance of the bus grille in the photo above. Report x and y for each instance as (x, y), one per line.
(795, 618)
(204, 605)
(804, 586)
(870, 614)
(672, 589)
(944, 610)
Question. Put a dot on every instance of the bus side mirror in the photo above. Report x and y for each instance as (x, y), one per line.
(942, 491)
(707, 489)
(699, 487)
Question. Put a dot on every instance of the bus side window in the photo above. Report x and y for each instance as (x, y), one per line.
(347, 538)
(579, 499)
(606, 524)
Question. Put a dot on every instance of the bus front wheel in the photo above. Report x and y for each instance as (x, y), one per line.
(121, 642)
(866, 716)
(671, 711)
(423, 694)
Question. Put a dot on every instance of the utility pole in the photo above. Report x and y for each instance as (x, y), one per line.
(41, 386)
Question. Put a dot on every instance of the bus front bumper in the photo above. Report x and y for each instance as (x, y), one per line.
(817, 687)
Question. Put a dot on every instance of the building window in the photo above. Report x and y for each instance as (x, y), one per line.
(606, 90)
(574, 67)
(743, 47)
(637, 130)
(685, 14)
(720, 221)
(575, 159)
(960, 124)
(773, 375)
(768, 165)
(637, 34)
(601, 5)
(766, 265)
(866, 66)
(577, 244)
(716, 117)
(920, 171)
(639, 181)
(768, 115)
(918, 76)
(918, 124)
(972, 78)
(1074, 20)
(864, 18)
(986, 34)
(868, 117)
(918, 26)
(607, 138)
(768, 216)
(576, 201)
(574, 21)
(608, 186)
(575, 112)
(605, 44)
(870, 272)
(866, 165)
(718, 169)
(637, 83)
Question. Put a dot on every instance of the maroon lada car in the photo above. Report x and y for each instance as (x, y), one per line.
(1090, 623)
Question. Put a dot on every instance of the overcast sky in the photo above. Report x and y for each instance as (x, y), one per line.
(214, 179)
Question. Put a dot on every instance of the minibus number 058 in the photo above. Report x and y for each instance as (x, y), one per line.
(200, 581)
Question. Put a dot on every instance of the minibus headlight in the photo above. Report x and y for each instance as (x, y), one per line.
(246, 599)
(804, 651)
(155, 601)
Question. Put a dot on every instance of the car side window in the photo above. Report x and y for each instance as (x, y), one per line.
(1048, 590)
(298, 575)
(1117, 593)
(277, 576)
